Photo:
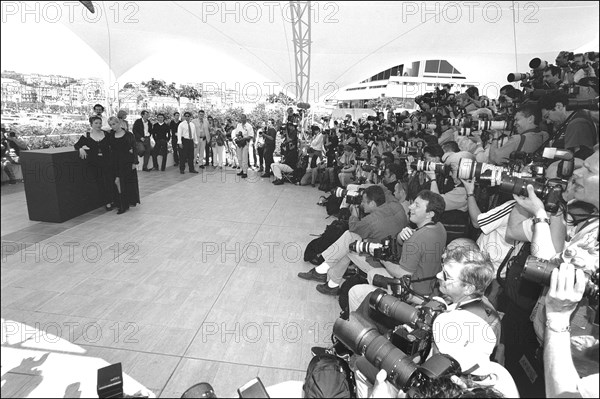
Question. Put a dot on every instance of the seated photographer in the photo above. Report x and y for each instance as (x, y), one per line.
(384, 219)
(420, 250)
(572, 238)
(579, 133)
(469, 329)
(562, 379)
(347, 166)
(529, 137)
(388, 182)
(289, 157)
(456, 217)
(312, 170)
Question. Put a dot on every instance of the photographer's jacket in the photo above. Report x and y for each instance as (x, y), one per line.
(386, 220)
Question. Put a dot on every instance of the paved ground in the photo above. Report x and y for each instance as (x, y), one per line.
(198, 283)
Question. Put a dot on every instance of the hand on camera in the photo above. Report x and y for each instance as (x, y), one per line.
(469, 186)
(567, 285)
(531, 203)
(406, 233)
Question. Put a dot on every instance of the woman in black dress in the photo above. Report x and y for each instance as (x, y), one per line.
(124, 159)
(95, 147)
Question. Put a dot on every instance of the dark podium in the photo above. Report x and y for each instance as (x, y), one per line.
(59, 185)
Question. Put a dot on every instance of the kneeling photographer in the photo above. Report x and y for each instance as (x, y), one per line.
(458, 338)
(385, 217)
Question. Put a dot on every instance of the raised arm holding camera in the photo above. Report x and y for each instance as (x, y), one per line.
(579, 247)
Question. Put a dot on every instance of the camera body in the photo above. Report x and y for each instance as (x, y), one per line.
(384, 250)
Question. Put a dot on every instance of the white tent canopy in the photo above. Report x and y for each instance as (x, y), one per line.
(350, 40)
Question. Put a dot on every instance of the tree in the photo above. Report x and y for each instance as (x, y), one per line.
(281, 98)
(156, 87)
(383, 104)
(183, 91)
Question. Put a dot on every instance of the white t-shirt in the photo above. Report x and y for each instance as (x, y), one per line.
(493, 224)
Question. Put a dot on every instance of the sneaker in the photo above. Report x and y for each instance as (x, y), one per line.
(313, 275)
(239, 174)
(194, 171)
(243, 175)
(201, 166)
(266, 175)
(278, 182)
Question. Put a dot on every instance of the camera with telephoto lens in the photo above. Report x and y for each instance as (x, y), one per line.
(427, 166)
(414, 325)
(355, 197)
(381, 351)
(383, 250)
(540, 270)
(485, 174)
(379, 171)
(423, 126)
(550, 191)
(406, 151)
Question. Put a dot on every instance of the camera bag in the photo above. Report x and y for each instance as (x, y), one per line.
(331, 234)
(522, 293)
(328, 376)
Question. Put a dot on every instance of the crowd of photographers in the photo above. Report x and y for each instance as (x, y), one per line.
(465, 254)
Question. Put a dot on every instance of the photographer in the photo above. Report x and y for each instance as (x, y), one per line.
(289, 153)
(529, 137)
(562, 379)
(552, 77)
(455, 218)
(578, 132)
(420, 249)
(579, 246)
(384, 218)
(347, 166)
(244, 133)
(269, 136)
(469, 329)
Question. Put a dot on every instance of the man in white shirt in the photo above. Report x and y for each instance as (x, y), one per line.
(243, 133)
(201, 125)
(188, 140)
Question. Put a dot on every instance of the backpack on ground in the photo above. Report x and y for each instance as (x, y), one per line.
(332, 232)
(328, 376)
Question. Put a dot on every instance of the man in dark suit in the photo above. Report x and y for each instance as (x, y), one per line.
(174, 125)
(142, 132)
(161, 133)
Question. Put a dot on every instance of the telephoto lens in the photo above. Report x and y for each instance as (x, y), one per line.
(340, 192)
(427, 166)
(540, 271)
(482, 173)
(362, 338)
(381, 302)
(518, 186)
(515, 77)
(465, 132)
(491, 125)
(409, 151)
